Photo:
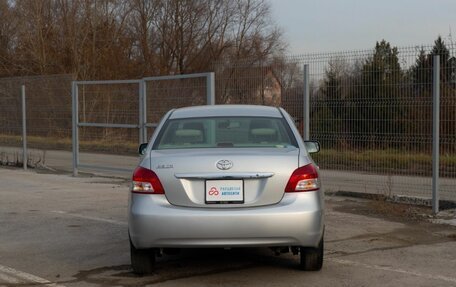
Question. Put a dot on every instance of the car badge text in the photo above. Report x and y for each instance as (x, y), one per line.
(165, 166)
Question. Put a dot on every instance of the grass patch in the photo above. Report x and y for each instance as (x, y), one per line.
(63, 143)
(388, 161)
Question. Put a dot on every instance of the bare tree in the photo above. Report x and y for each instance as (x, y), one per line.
(110, 39)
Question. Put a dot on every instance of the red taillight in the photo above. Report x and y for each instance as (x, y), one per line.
(304, 178)
(146, 181)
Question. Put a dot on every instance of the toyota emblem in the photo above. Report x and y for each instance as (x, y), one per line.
(224, 164)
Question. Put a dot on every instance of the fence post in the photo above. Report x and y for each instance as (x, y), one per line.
(24, 128)
(435, 133)
(306, 104)
(210, 86)
(145, 110)
(75, 134)
(142, 112)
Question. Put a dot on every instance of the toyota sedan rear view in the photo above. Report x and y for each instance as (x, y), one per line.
(226, 176)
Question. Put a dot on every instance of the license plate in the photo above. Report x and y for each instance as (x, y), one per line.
(224, 191)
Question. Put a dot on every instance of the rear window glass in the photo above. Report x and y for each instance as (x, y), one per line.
(225, 132)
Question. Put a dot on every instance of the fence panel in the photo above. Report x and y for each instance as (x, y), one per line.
(114, 116)
(102, 106)
(371, 111)
(278, 82)
(374, 120)
(169, 92)
(48, 105)
(10, 121)
(448, 123)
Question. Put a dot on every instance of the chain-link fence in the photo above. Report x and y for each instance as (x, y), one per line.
(103, 105)
(114, 116)
(48, 114)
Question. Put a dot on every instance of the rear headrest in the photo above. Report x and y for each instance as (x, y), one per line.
(194, 126)
(260, 123)
(263, 135)
(189, 133)
(263, 132)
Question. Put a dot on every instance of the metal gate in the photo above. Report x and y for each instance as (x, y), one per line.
(114, 116)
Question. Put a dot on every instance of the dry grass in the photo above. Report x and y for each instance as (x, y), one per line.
(15, 159)
(47, 143)
(387, 161)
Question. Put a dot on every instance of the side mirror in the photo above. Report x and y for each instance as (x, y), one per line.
(142, 148)
(312, 146)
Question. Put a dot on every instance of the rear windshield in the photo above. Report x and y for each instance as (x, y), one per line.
(225, 132)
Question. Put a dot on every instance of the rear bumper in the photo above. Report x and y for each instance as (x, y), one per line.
(296, 221)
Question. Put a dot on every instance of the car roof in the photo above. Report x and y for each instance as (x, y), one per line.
(226, 110)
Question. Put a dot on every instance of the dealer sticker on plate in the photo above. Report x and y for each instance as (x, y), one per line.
(224, 191)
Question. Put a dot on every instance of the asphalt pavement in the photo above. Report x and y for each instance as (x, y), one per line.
(58, 230)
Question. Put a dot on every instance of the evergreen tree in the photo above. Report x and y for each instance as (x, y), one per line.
(332, 87)
(332, 105)
(421, 72)
(376, 99)
(441, 49)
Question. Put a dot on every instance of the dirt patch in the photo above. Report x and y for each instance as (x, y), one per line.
(418, 219)
(398, 210)
(382, 208)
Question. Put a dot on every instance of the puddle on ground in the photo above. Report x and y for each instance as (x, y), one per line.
(189, 263)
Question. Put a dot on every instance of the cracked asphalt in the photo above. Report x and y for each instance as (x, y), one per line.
(56, 230)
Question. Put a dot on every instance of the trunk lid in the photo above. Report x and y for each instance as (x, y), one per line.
(264, 173)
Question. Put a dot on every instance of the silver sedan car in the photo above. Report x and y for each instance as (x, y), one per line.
(226, 176)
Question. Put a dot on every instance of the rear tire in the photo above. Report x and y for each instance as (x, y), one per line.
(312, 258)
(142, 260)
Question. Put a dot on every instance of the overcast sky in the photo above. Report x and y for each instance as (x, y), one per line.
(338, 25)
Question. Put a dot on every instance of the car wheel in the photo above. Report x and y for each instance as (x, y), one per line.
(142, 260)
(312, 258)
